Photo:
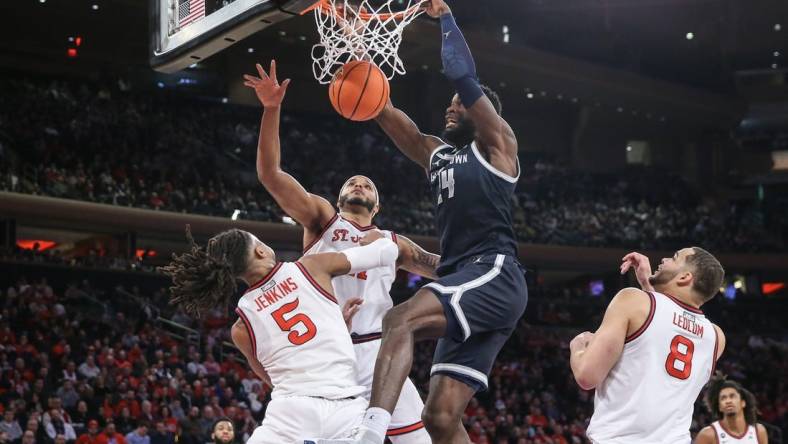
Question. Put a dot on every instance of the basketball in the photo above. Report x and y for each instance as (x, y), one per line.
(359, 91)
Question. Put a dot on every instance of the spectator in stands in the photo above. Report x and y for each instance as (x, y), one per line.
(161, 435)
(139, 436)
(190, 427)
(57, 426)
(223, 431)
(110, 435)
(30, 438)
(92, 435)
(89, 369)
(10, 425)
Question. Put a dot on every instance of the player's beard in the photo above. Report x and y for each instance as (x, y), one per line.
(661, 278)
(462, 133)
(219, 440)
(349, 199)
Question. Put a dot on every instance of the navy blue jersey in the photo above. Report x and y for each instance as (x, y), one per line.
(473, 206)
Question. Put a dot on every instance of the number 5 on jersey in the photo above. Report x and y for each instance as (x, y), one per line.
(295, 337)
(447, 181)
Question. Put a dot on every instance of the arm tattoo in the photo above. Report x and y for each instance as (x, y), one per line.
(421, 262)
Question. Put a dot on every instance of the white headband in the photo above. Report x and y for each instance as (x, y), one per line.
(377, 195)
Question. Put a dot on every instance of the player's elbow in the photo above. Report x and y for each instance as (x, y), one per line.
(586, 378)
(269, 177)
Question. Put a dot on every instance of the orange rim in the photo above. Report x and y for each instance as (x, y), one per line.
(325, 8)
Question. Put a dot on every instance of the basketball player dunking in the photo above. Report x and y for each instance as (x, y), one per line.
(481, 293)
(653, 353)
(325, 230)
(736, 412)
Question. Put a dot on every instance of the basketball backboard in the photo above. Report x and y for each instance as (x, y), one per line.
(184, 32)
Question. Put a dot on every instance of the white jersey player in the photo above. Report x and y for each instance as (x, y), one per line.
(326, 230)
(290, 328)
(736, 410)
(653, 353)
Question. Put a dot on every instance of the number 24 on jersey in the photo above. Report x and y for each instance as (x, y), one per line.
(447, 182)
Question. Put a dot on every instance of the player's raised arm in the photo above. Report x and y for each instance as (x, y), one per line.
(406, 135)
(493, 133)
(594, 354)
(309, 210)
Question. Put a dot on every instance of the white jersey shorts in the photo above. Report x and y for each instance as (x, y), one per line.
(292, 419)
(407, 414)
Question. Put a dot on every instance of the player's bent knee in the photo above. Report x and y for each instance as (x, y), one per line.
(396, 318)
(439, 421)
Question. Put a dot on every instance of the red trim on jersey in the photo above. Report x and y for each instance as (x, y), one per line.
(360, 339)
(716, 434)
(359, 227)
(314, 283)
(267, 277)
(406, 429)
(757, 435)
(322, 232)
(684, 305)
(716, 345)
(393, 236)
(651, 310)
(722, 424)
(248, 328)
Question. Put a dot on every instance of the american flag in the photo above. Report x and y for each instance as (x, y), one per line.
(189, 11)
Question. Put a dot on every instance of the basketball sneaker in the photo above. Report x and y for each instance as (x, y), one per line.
(359, 435)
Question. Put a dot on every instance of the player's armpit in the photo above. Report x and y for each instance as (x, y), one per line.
(407, 136)
(242, 340)
(592, 365)
(705, 436)
(415, 259)
(496, 138)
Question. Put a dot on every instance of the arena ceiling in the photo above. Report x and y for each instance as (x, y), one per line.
(647, 37)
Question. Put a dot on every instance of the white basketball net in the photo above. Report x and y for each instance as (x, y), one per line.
(361, 33)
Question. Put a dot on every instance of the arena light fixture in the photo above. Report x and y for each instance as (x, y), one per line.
(776, 53)
(690, 36)
(95, 7)
(777, 27)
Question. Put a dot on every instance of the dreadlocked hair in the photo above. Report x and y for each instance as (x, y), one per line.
(712, 398)
(205, 278)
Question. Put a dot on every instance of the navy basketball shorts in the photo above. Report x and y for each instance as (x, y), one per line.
(482, 301)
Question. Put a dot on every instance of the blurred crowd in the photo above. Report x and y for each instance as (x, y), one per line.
(165, 151)
(94, 374)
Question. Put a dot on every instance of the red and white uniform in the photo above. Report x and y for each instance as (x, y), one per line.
(373, 287)
(648, 396)
(300, 338)
(750, 435)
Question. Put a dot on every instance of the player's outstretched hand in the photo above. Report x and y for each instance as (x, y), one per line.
(372, 236)
(435, 8)
(267, 87)
(581, 341)
(642, 267)
(350, 309)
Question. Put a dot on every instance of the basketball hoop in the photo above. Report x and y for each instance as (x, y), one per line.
(364, 32)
